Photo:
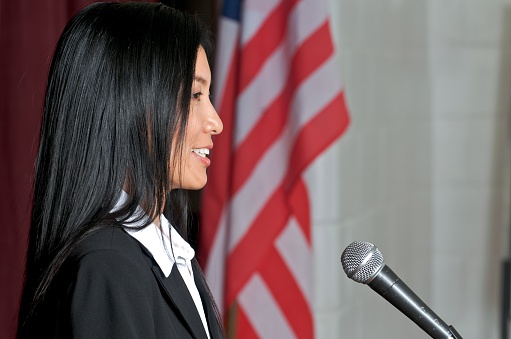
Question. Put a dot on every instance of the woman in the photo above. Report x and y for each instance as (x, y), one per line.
(127, 125)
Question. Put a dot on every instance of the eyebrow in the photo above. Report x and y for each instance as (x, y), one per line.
(201, 80)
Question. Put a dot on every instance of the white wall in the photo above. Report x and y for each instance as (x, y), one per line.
(423, 171)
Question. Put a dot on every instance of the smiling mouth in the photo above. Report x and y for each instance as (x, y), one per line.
(203, 152)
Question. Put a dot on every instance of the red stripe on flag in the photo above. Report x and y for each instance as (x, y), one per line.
(287, 293)
(300, 208)
(269, 36)
(314, 51)
(261, 137)
(244, 326)
(326, 127)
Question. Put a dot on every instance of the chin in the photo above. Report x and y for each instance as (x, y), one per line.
(196, 188)
(193, 186)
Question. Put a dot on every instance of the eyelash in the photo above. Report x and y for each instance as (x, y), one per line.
(197, 95)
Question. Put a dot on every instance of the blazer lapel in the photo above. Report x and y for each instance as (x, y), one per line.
(215, 330)
(179, 295)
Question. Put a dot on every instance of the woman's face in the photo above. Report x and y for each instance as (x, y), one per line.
(203, 123)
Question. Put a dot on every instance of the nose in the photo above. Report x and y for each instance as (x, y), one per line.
(214, 124)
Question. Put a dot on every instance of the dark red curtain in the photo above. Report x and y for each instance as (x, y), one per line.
(29, 31)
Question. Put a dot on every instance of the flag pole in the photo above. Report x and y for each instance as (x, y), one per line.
(231, 320)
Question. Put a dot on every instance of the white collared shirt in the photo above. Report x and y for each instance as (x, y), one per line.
(173, 249)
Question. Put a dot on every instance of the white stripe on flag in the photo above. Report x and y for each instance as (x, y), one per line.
(262, 311)
(297, 254)
(304, 19)
(325, 87)
(263, 89)
(228, 30)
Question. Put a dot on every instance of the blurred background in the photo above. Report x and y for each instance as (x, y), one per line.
(423, 170)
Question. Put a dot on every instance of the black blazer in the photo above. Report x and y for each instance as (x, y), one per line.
(111, 287)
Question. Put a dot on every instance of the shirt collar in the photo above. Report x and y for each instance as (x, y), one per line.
(165, 250)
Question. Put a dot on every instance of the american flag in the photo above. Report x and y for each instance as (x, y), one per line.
(279, 94)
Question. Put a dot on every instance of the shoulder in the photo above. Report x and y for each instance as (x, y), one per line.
(109, 238)
(109, 252)
(110, 241)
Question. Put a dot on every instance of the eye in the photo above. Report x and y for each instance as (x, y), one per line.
(196, 95)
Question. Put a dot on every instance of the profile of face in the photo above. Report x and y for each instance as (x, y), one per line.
(203, 123)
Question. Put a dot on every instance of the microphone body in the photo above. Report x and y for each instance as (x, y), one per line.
(364, 263)
(387, 284)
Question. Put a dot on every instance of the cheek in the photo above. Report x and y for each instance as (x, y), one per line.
(193, 130)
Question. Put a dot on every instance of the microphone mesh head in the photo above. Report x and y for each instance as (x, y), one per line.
(362, 261)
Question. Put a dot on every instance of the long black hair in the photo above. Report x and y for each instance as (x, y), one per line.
(115, 112)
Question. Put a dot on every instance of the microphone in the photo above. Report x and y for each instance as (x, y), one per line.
(363, 262)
